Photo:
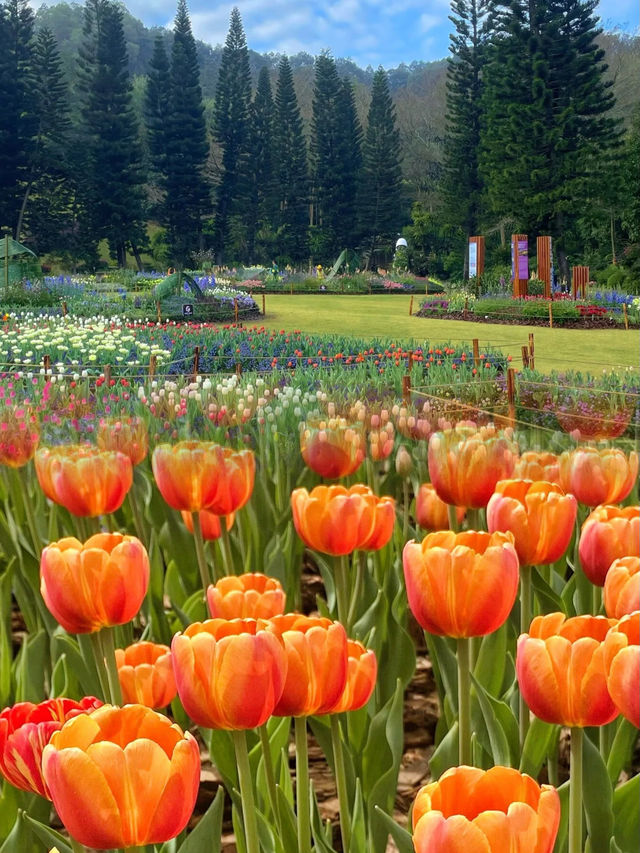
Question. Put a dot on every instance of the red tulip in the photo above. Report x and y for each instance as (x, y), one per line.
(622, 666)
(25, 730)
(540, 516)
(333, 448)
(485, 811)
(249, 596)
(560, 670)
(461, 585)
(608, 533)
(95, 585)
(230, 673)
(622, 587)
(122, 777)
(146, 674)
(598, 476)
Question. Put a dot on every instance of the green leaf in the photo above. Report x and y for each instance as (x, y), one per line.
(403, 839)
(30, 664)
(621, 748)
(48, 836)
(223, 755)
(287, 821)
(502, 727)
(206, 837)
(445, 667)
(446, 753)
(597, 797)
(549, 600)
(5, 637)
(563, 829)
(626, 815)
(489, 668)
(539, 740)
(358, 826)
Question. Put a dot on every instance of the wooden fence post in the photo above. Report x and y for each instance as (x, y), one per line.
(235, 310)
(159, 312)
(264, 310)
(238, 369)
(466, 308)
(406, 388)
(532, 357)
(196, 361)
(64, 308)
(626, 316)
(107, 375)
(511, 394)
(411, 306)
(46, 360)
(550, 314)
(153, 364)
(476, 353)
(525, 356)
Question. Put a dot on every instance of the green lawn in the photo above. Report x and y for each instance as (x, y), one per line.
(388, 316)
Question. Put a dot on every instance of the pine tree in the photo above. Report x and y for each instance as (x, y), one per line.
(292, 175)
(114, 177)
(262, 202)
(350, 154)
(462, 182)
(187, 147)
(380, 207)
(231, 124)
(17, 116)
(156, 114)
(48, 164)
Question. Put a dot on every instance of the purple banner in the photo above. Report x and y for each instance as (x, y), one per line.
(522, 259)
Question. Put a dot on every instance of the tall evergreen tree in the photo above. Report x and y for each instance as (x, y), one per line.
(462, 182)
(114, 178)
(187, 147)
(17, 116)
(380, 206)
(292, 174)
(231, 123)
(350, 153)
(263, 201)
(548, 126)
(156, 114)
(48, 164)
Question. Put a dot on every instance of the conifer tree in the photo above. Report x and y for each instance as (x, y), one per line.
(156, 113)
(380, 197)
(187, 147)
(262, 199)
(231, 124)
(292, 176)
(113, 156)
(350, 154)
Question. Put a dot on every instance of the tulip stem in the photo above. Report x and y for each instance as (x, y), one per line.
(596, 599)
(341, 782)
(405, 508)
(77, 847)
(268, 772)
(137, 515)
(464, 702)
(205, 579)
(246, 791)
(303, 803)
(356, 592)
(575, 791)
(525, 622)
(98, 656)
(113, 679)
(31, 521)
(453, 518)
(341, 579)
(226, 546)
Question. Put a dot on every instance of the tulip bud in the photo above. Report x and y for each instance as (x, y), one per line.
(404, 462)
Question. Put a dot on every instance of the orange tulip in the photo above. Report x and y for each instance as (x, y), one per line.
(84, 480)
(381, 441)
(19, 436)
(336, 520)
(622, 587)
(540, 516)
(122, 777)
(316, 650)
(146, 674)
(128, 435)
(209, 522)
(362, 670)
(461, 585)
(333, 448)
(230, 673)
(465, 463)
(196, 475)
(249, 596)
(598, 476)
(622, 665)
(485, 811)
(608, 533)
(25, 730)
(431, 512)
(560, 670)
(91, 586)
(538, 465)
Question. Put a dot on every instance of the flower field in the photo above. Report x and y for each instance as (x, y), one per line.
(167, 493)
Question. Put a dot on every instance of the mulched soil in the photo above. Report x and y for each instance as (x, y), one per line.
(503, 320)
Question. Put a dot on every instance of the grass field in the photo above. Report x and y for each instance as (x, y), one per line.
(388, 316)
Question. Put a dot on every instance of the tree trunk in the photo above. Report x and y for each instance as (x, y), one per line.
(136, 255)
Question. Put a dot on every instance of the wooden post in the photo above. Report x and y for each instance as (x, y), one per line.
(196, 361)
(543, 252)
(46, 360)
(6, 262)
(292, 287)
(409, 361)
(235, 310)
(64, 308)
(264, 310)
(626, 316)
(159, 312)
(532, 357)
(406, 388)
(153, 364)
(411, 306)
(511, 393)
(525, 356)
(466, 308)
(476, 270)
(107, 375)
(476, 352)
(550, 314)
(519, 283)
(579, 281)
(238, 369)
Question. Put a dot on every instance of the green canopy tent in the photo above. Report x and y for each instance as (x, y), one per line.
(17, 262)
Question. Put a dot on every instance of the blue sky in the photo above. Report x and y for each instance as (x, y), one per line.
(371, 32)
